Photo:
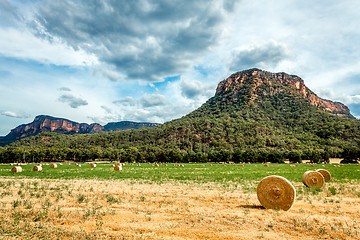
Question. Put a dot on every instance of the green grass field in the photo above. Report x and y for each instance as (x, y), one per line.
(221, 173)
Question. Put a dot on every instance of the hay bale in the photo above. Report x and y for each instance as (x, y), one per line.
(93, 165)
(37, 168)
(11, 164)
(313, 179)
(118, 167)
(326, 174)
(276, 192)
(16, 169)
(266, 165)
(311, 165)
(53, 165)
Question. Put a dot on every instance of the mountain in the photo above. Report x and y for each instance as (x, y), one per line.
(265, 83)
(44, 123)
(254, 115)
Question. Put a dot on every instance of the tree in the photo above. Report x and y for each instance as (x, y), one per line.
(294, 156)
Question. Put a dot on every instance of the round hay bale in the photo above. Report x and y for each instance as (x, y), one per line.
(16, 169)
(118, 168)
(313, 179)
(11, 164)
(37, 168)
(276, 192)
(326, 174)
(54, 165)
(93, 165)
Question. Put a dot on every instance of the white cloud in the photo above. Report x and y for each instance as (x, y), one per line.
(153, 100)
(74, 102)
(22, 44)
(127, 101)
(15, 115)
(265, 55)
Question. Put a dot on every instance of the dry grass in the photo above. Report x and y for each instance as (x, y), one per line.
(128, 209)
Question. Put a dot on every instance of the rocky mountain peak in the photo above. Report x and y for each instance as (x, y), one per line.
(45, 123)
(255, 79)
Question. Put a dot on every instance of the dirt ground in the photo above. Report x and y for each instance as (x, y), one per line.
(94, 209)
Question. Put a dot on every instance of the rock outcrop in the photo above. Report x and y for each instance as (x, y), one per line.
(256, 78)
(44, 123)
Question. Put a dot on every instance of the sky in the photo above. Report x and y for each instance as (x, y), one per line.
(157, 60)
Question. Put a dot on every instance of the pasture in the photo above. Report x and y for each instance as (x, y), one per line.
(193, 201)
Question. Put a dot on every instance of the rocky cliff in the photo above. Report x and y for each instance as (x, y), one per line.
(44, 123)
(256, 78)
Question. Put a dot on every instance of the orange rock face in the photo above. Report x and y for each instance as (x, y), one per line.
(257, 77)
(44, 123)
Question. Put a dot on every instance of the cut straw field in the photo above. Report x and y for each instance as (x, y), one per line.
(193, 201)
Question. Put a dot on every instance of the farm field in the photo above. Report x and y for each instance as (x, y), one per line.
(196, 201)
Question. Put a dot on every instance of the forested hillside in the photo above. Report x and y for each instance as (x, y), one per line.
(259, 119)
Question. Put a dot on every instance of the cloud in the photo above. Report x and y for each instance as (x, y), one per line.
(331, 94)
(8, 13)
(73, 102)
(193, 89)
(127, 101)
(15, 115)
(153, 100)
(65, 89)
(262, 56)
(112, 75)
(107, 110)
(146, 40)
(23, 44)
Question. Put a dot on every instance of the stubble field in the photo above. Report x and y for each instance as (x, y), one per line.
(197, 201)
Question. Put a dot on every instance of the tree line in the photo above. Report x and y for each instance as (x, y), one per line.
(151, 155)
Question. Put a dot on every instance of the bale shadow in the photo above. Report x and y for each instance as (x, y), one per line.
(251, 206)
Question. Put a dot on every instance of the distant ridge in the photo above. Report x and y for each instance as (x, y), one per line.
(45, 123)
(126, 125)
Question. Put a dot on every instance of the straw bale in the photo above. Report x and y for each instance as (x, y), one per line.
(16, 169)
(37, 168)
(118, 168)
(53, 165)
(93, 165)
(326, 174)
(313, 179)
(276, 192)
